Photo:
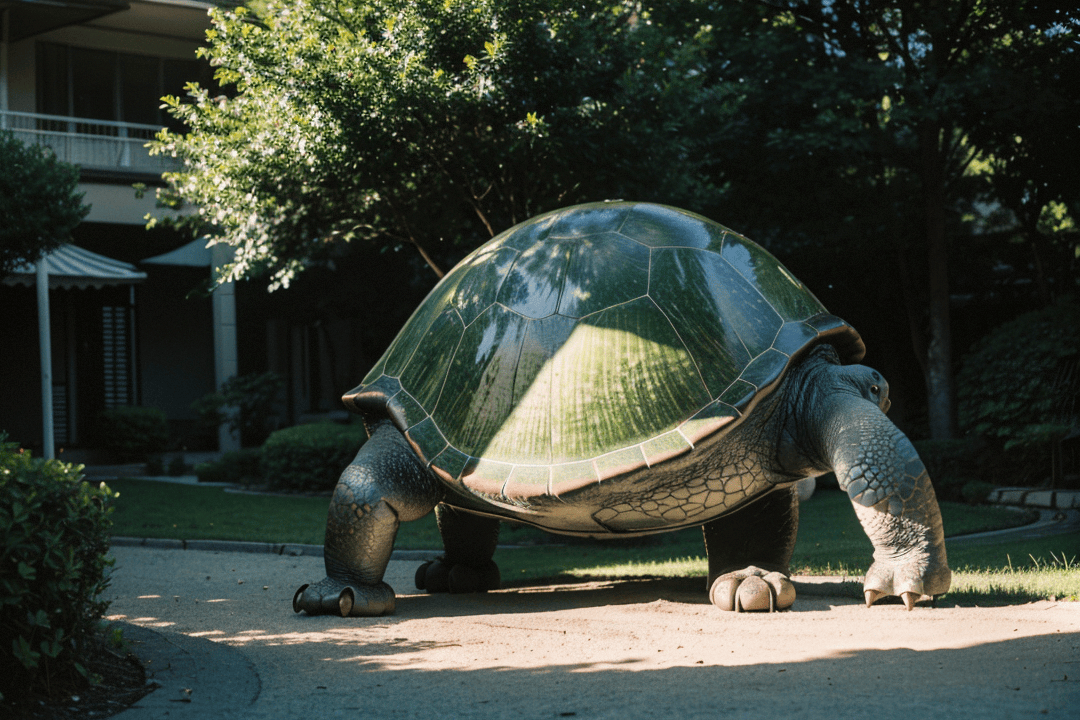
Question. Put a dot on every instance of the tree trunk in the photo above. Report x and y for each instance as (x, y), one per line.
(939, 375)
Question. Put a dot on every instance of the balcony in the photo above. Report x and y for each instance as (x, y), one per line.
(98, 145)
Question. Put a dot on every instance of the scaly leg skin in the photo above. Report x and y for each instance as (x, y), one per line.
(466, 567)
(750, 552)
(895, 502)
(384, 485)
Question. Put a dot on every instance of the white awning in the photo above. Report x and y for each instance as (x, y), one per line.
(195, 254)
(73, 267)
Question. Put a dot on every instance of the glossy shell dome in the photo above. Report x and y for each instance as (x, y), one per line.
(591, 342)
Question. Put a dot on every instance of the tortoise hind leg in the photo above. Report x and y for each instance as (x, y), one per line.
(384, 485)
(750, 554)
(470, 541)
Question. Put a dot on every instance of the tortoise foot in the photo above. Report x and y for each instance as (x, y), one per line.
(334, 597)
(752, 589)
(437, 576)
(913, 581)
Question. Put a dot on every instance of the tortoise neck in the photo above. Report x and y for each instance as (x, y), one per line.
(811, 404)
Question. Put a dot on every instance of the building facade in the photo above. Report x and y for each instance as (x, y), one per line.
(85, 78)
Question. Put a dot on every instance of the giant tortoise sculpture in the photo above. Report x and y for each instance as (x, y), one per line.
(617, 369)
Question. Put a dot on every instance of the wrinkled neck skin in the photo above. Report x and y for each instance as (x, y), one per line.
(819, 394)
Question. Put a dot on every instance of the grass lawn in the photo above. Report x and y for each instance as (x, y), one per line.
(831, 541)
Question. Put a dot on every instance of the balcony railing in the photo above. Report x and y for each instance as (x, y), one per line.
(91, 144)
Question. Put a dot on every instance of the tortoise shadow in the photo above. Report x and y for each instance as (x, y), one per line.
(574, 593)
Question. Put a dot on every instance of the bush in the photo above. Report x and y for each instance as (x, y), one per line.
(1019, 389)
(54, 540)
(238, 466)
(133, 432)
(310, 457)
(976, 492)
(951, 464)
(177, 466)
(245, 403)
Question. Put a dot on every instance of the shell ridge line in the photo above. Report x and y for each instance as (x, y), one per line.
(615, 305)
(502, 280)
(631, 239)
(735, 329)
(517, 368)
(574, 244)
(550, 422)
(788, 275)
(520, 315)
(450, 364)
(697, 367)
(413, 398)
(427, 331)
(648, 275)
(626, 217)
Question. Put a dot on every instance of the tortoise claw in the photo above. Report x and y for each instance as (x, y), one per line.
(909, 598)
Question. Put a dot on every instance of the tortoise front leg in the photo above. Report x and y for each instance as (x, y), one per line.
(384, 485)
(890, 490)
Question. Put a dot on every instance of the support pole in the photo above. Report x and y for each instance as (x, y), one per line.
(226, 364)
(45, 341)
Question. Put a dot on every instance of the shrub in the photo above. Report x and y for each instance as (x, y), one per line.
(54, 536)
(133, 432)
(237, 466)
(1019, 388)
(177, 466)
(244, 403)
(951, 464)
(976, 492)
(310, 457)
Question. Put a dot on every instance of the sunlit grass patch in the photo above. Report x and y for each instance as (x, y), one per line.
(1033, 578)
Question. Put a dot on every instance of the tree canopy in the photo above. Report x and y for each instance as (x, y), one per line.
(39, 205)
(432, 123)
(888, 134)
(899, 156)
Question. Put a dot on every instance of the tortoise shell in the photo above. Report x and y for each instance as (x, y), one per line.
(591, 342)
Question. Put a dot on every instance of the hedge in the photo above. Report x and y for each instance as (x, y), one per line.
(54, 540)
(310, 457)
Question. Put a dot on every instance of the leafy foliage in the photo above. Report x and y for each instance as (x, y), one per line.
(54, 534)
(39, 205)
(434, 122)
(244, 403)
(1020, 385)
(133, 431)
(310, 457)
(874, 140)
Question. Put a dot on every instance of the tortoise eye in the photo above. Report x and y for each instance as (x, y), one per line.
(875, 389)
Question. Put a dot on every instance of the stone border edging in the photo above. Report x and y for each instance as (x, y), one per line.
(1034, 497)
(286, 549)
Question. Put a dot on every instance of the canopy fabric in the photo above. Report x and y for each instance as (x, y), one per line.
(195, 254)
(73, 267)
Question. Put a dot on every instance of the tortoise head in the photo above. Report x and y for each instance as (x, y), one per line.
(867, 383)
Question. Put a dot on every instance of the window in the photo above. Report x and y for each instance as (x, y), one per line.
(106, 85)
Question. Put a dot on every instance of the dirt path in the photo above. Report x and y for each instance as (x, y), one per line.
(225, 628)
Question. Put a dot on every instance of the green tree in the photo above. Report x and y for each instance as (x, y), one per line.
(434, 123)
(877, 126)
(39, 205)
